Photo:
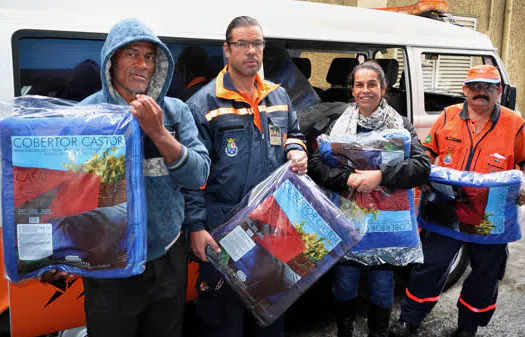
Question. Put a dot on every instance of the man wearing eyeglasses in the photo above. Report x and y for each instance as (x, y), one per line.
(250, 129)
(482, 136)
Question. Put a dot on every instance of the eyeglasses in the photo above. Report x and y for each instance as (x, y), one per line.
(242, 44)
(478, 86)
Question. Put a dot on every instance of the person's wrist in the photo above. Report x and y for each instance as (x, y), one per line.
(161, 136)
(348, 181)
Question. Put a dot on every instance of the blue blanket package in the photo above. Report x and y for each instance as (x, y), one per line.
(471, 206)
(392, 235)
(73, 195)
(282, 238)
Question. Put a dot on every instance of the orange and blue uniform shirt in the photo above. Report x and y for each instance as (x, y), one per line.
(499, 146)
(247, 140)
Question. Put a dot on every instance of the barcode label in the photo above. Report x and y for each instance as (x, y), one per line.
(35, 241)
(237, 243)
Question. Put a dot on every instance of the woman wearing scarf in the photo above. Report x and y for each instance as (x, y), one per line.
(369, 112)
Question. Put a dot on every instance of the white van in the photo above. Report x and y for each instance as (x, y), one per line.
(52, 48)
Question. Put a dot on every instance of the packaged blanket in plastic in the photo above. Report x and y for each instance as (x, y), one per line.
(392, 236)
(72, 189)
(284, 236)
(471, 206)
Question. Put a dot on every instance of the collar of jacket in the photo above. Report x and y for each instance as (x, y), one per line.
(493, 115)
(225, 88)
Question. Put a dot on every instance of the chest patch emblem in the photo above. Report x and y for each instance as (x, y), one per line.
(447, 159)
(231, 148)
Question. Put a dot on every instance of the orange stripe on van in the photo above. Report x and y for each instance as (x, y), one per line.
(471, 308)
(421, 300)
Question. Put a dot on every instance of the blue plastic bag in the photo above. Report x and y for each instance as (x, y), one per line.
(392, 235)
(279, 240)
(73, 195)
(471, 206)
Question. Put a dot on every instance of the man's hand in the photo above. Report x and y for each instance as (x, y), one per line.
(149, 115)
(198, 242)
(54, 275)
(364, 181)
(299, 161)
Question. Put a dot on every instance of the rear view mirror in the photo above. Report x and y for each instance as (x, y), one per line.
(508, 96)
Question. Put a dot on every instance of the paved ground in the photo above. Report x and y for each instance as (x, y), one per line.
(508, 321)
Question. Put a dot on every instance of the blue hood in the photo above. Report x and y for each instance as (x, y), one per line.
(126, 32)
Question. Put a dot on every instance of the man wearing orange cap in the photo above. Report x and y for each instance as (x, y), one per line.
(482, 136)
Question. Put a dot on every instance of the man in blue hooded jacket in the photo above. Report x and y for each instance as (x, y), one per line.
(136, 70)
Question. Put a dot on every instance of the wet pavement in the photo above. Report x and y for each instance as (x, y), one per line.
(315, 320)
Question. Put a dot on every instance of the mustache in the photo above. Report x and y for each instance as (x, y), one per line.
(485, 97)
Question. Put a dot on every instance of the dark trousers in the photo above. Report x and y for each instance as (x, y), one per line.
(477, 300)
(221, 313)
(149, 304)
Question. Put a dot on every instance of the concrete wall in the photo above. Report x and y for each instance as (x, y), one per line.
(491, 20)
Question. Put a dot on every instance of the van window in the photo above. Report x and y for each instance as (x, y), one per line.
(330, 70)
(70, 67)
(55, 67)
(443, 76)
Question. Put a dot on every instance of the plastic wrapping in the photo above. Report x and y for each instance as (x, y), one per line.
(471, 206)
(285, 235)
(69, 173)
(392, 236)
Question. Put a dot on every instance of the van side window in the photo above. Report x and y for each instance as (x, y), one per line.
(443, 76)
(328, 71)
(195, 66)
(65, 67)
(56, 67)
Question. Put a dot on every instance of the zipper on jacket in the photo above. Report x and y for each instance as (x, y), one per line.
(264, 127)
(260, 120)
(473, 148)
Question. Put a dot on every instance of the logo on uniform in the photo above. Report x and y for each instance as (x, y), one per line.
(203, 286)
(448, 158)
(231, 148)
(428, 139)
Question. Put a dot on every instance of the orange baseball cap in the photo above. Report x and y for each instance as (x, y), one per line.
(483, 73)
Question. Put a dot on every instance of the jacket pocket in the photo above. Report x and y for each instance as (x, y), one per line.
(233, 143)
(453, 155)
(493, 162)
